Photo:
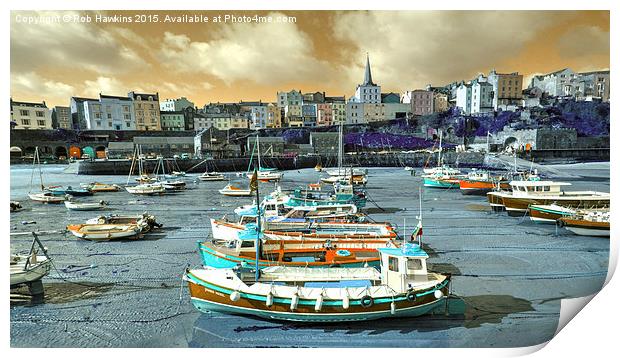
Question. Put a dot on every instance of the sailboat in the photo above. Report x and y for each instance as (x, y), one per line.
(441, 176)
(264, 174)
(45, 196)
(145, 188)
(168, 184)
(32, 267)
(341, 174)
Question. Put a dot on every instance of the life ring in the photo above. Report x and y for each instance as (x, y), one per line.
(344, 253)
(367, 301)
(411, 296)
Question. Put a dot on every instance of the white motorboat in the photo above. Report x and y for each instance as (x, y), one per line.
(146, 189)
(173, 184)
(231, 190)
(46, 197)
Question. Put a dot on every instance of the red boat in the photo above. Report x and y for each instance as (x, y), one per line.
(480, 187)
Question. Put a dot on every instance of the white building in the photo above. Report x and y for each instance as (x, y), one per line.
(368, 91)
(178, 104)
(463, 98)
(29, 115)
(481, 97)
(109, 113)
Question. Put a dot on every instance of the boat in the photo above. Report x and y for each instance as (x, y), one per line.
(69, 190)
(357, 176)
(231, 190)
(173, 185)
(307, 253)
(441, 170)
(16, 206)
(47, 198)
(72, 205)
(441, 181)
(481, 182)
(212, 176)
(146, 189)
(105, 232)
(146, 220)
(525, 192)
(263, 174)
(496, 196)
(26, 269)
(402, 287)
(549, 213)
(318, 168)
(144, 179)
(343, 193)
(591, 223)
(100, 187)
(167, 184)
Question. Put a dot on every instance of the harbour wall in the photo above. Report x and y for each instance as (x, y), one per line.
(122, 167)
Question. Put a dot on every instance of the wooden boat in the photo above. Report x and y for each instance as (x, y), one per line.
(72, 205)
(146, 189)
(549, 213)
(592, 223)
(105, 232)
(401, 288)
(213, 176)
(16, 206)
(100, 187)
(231, 190)
(307, 253)
(146, 220)
(47, 198)
(29, 268)
(480, 183)
(525, 192)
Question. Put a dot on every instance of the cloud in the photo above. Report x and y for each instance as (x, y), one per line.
(104, 85)
(29, 86)
(264, 53)
(70, 44)
(582, 41)
(412, 49)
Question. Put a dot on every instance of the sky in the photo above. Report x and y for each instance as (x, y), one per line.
(320, 51)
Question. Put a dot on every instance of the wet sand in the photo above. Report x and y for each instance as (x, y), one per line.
(510, 273)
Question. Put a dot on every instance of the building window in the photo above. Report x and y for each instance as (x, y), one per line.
(26, 122)
(24, 112)
(127, 124)
(98, 123)
(39, 113)
(97, 115)
(127, 116)
(109, 115)
(41, 122)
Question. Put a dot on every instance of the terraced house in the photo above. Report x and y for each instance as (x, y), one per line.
(30, 115)
(146, 111)
(109, 113)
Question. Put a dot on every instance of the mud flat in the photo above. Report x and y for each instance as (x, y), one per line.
(509, 273)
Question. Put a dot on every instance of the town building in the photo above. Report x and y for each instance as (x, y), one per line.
(30, 115)
(422, 102)
(274, 116)
(146, 111)
(109, 113)
(324, 115)
(220, 121)
(507, 89)
(61, 117)
(78, 116)
(368, 91)
(481, 97)
(463, 98)
(338, 110)
(593, 85)
(178, 104)
(440, 102)
(172, 120)
(165, 146)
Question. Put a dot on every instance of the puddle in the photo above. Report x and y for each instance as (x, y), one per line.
(62, 292)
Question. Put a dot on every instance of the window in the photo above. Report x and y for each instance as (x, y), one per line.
(109, 115)
(97, 115)
(139, 104)
(393, 263)
(127, 116)
(39, 113)
(125, 108)
(415, 264)
(247, 243)
(98, 123)
(41, 122)
(547, 188)
(108, 108)
(24, 112)
(26, 122)
(110, 124)
(128, 124)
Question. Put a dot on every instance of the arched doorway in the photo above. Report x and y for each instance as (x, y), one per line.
(16, 152)
(60, 152)
(100, 151)
(510, 142)
(75, 152)
(88, 151)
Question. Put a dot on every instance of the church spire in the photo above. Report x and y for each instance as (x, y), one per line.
(368, 74)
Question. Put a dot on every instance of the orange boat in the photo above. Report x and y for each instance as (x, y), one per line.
(480, 187)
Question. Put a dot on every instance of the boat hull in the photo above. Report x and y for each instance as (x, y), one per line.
(208, 297)
(520, 206)
(34, 273)
(479, 187)
(547, 215)
(585, 227)
(439, 183)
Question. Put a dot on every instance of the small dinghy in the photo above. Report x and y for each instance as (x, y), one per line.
(146, 189)
(105, 232)
(142, 219)
(73, 205)
(16, 206)
(231, 190)
(213, 176)
(26, 269)
(46, 197)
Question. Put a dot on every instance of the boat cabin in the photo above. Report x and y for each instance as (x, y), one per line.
(526, 188)
(403, 268)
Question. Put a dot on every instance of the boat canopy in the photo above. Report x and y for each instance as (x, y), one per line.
(530, 183)
(406, 250)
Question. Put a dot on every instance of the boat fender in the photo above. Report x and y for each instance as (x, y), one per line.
(294, 301)
(438, 294)
(345, 302)
(367, 301)
(269, 300)
(319, 303)
(411, 296)
(234, 296)
(393, 307)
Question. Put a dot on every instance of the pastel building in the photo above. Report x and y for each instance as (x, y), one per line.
(507, 89)
(147, 112)
(178, 104)
(61, 117)
(482, 96)
(30, 115)
(172, 120)
(324, 114)
(338, 109)
(78, 117)
(422, 102)
(109, 113)
(274, 116)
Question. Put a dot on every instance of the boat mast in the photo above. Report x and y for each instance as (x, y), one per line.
(254, 184)
(258, 149)
(340, 148)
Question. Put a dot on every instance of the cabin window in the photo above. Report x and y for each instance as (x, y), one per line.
(414, 264)
(538, 188)
(247, 243)
(393, 264)
(547, 188)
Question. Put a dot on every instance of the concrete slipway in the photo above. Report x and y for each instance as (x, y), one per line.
(510, 273)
